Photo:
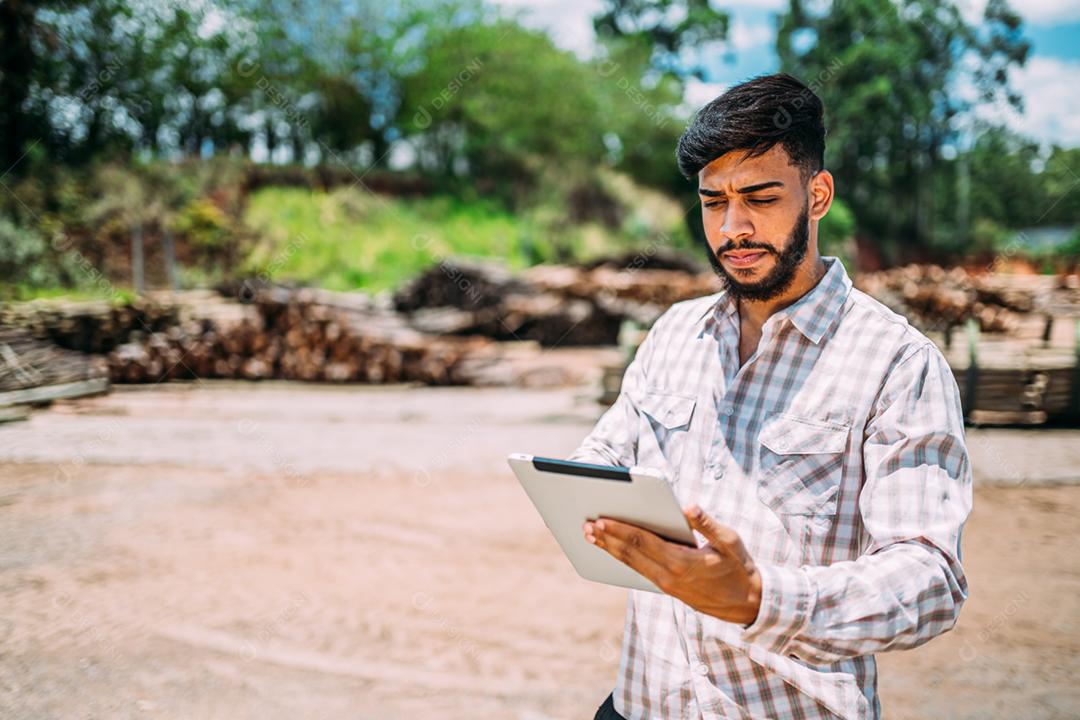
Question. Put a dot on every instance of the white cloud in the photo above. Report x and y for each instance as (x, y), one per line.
(699, 93)
(1045, 12)
(1035, 12)
(744, 36)
(567, 22)
(770, 5)
(1051, 102)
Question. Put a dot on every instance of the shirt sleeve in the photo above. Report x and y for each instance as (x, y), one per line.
(908, 586)
(613, 440)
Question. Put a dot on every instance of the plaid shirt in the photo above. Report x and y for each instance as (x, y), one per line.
(837, 453)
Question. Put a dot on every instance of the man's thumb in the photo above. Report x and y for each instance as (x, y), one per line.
(719, 536)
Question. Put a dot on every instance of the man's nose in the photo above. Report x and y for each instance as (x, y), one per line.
(736, 225)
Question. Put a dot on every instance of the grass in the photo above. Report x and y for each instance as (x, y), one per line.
(22, 293)
(348, 239)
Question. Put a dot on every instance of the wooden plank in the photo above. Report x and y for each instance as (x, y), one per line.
(11, 414)
(48, 393)
(1007, 417)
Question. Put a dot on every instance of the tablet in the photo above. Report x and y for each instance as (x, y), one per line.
(568, 493)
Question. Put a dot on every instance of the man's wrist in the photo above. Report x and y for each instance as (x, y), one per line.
(753, 599)
(788, 597)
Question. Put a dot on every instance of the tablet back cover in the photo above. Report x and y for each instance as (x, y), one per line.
(565, 500)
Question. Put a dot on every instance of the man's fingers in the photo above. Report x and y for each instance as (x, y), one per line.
(628, 548)
(719, 536)
(647, 543)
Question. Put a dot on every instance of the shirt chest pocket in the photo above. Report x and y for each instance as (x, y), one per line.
(800, 464)
(664, 426)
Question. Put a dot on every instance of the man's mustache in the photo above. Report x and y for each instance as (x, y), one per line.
(745, 245)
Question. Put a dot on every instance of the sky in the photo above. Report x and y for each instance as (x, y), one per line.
(1049, 81)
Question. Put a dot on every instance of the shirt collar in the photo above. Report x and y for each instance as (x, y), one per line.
(812, 314)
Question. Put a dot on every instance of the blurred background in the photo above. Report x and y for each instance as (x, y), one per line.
(282, 282)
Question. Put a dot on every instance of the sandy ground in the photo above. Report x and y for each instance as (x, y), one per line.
(221, 550)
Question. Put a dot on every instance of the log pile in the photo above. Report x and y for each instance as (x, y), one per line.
(27, 361)
(93, 326)
(441, 327)
(286, 334)
(653, 257)
(296, 335)
(37, 372)
(549, 304)
(934, 298)
(1014, 380)
(1026, 372)
(460, 283)
(637, 294)
(464, 297)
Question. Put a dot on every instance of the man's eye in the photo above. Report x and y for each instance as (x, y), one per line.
(715, 203)
(763, 201)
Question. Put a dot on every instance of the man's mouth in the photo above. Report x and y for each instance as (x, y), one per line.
(744, 258)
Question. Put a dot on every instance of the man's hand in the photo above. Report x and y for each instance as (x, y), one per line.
(718, 579)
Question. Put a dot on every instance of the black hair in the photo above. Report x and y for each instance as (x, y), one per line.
(755, 116)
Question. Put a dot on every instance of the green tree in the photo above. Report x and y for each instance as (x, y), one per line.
(1059, 200)
(669, 28)
(888, 72)
(494, 102)
(641, 117)
(109, 77)
(24, 39)
(1005, 188)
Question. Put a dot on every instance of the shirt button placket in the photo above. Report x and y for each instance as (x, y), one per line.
(700, 681)
(714, 471)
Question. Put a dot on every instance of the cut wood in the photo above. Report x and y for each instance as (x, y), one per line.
(48, 393)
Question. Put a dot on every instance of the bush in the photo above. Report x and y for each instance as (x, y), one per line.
(836, 233)
(27, 261)
(205, 226)
(1070, 249)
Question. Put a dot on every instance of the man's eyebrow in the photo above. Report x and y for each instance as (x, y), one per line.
(743, 190)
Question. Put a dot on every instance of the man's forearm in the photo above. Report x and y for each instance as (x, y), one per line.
(897, 598)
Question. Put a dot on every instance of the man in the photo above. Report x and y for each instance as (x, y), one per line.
(815, 439)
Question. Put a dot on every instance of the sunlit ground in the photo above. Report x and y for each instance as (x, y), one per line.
(227, 550)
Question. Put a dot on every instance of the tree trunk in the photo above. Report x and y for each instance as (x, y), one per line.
(16, 64)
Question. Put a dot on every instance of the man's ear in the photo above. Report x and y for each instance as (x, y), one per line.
(820, 194)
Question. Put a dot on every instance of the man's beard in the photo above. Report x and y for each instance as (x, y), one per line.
(782, 275)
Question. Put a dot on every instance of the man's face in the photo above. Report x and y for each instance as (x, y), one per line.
(756, 217)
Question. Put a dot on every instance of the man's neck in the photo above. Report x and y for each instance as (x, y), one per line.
(756, 312)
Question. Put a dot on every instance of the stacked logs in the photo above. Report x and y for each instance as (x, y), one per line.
(296, 335)
(639, 294)
(92, 326)
(27, 361)
(653, 257)
(465, 297)
(549, 304)
(461, 283)
(437, 329)
(935, 298)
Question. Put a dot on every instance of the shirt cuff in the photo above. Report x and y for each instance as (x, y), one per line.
(787, 601)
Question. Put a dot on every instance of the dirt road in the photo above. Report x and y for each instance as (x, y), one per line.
(284, 551)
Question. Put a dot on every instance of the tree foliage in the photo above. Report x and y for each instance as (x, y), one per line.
(899, 79)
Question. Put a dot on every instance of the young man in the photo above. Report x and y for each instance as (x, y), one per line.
(815, 439)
